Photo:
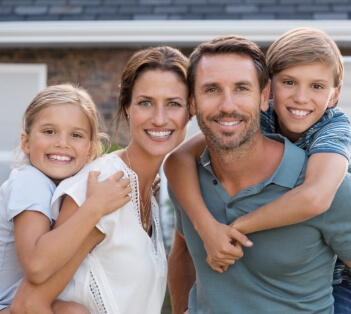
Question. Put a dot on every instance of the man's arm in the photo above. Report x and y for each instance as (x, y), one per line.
(181, 275)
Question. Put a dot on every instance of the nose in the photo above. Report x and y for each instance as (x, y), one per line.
(301, 95)
(227, 102)
(159, 116)
(62, 141)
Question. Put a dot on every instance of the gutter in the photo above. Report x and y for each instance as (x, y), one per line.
(137, 33)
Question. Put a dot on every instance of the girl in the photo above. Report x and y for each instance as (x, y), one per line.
(60, 135)
(126, 269)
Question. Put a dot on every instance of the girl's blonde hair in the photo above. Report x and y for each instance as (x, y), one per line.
(67, 94)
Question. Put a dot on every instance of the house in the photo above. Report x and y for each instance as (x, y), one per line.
(87, 42)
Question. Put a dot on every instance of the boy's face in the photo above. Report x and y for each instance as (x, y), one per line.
(301, 95)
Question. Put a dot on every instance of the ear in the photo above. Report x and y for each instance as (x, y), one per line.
(335, 97)
(90, 152)
(265, 94)
(192, 107)
(25, 143)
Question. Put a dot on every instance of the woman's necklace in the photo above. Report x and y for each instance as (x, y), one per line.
(145, 208)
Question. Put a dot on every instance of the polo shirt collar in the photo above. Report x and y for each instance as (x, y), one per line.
(289, 169)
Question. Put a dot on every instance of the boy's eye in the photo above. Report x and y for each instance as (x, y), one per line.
(50, 132)
(288, 82)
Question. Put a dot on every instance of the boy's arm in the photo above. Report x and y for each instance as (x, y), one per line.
(42, 252)
(217, 237)
(38, 298)
(324, 173)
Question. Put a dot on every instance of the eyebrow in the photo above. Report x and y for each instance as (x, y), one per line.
(47, 125)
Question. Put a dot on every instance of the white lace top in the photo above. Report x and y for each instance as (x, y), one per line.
(127, 271)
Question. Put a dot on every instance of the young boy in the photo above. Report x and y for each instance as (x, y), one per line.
(306, 71)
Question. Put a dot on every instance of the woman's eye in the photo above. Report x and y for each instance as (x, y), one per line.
(288, 82)
(145, 103)
(174, 104)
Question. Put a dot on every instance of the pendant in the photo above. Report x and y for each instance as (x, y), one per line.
(145, 225)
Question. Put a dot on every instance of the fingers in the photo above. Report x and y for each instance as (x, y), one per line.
(235, 235)
(117, 176)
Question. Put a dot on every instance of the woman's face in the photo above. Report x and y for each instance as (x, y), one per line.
(158, 112)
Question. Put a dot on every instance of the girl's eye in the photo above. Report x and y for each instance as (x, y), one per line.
(77, 135)
(317, 86)
(50, 132)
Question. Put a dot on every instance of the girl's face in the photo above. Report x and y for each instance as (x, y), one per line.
(301, 95)
(158, 112)
(59, 142)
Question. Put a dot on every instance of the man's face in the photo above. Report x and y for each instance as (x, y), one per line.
(227, 100)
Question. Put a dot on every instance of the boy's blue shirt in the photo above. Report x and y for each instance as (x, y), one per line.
(330, 134)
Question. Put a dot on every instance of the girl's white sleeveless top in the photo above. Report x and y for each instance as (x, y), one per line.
(127, 271)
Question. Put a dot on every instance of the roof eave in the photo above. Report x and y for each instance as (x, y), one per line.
(181, 33)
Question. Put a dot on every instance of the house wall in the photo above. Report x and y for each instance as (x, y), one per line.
(96, 69)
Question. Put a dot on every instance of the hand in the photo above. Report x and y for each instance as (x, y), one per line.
(110, 194)
(223, 245)
(156, 185)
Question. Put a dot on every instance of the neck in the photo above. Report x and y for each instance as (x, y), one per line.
(145, 166)
(248, 165)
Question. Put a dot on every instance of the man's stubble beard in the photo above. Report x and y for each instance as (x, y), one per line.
(227, 142)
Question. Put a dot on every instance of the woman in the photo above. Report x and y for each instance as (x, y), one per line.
(126, 269)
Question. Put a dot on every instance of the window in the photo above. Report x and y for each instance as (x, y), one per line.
(19, 83)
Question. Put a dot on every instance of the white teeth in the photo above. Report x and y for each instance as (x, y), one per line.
(229, 123)
(299, 113)
(60, 158)
(161, 134)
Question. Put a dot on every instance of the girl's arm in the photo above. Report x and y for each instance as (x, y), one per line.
(42, 253)
(38, 298)
(324, 173)
(217, 237)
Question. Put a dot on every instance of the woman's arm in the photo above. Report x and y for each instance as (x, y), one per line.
(324, 173)
(42, 252)
(217, 237)
(38, 298)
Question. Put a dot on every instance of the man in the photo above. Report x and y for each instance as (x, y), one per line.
(289, 269)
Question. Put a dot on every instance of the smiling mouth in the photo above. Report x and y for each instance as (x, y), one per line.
(299, 113)
(60, 158)
(159, 135)
(228, 123)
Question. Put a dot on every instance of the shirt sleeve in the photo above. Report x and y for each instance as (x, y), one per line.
(29, 189)
(333, 137)
(337, 222)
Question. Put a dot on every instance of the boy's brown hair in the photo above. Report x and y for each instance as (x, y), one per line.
(305, 46)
